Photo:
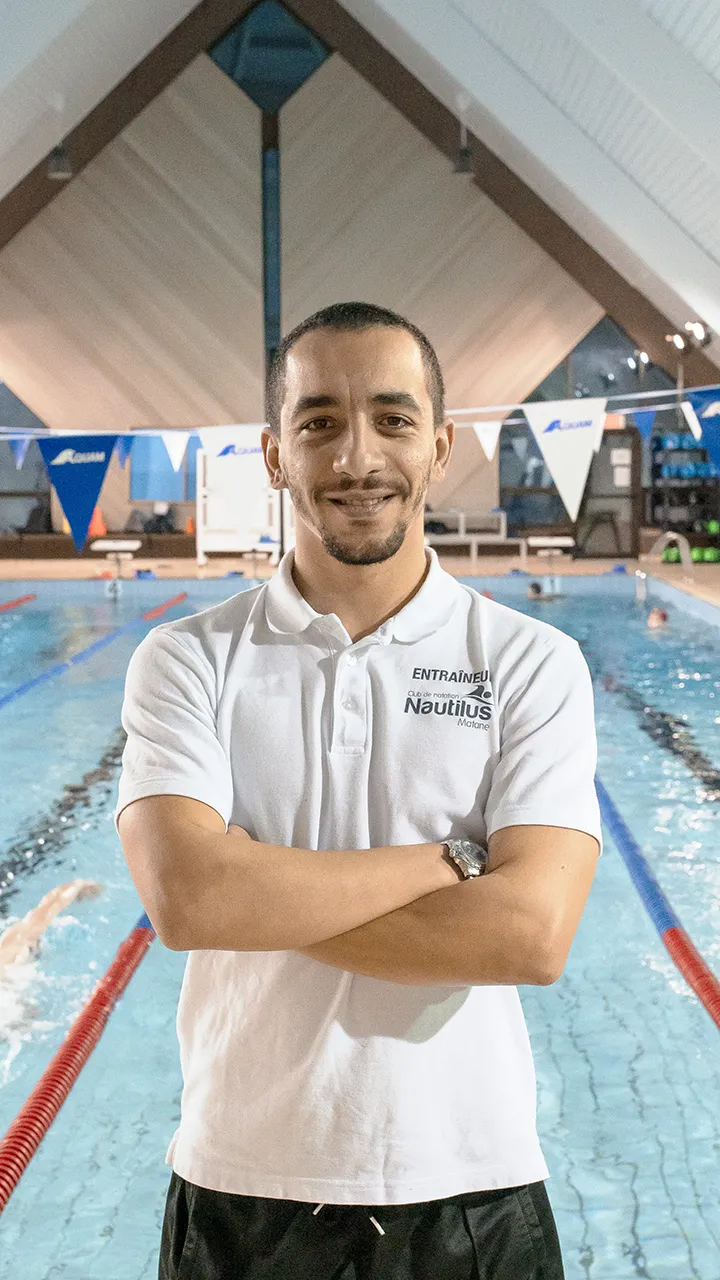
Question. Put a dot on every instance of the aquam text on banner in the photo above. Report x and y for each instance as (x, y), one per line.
(76, 466)
(567, 433)
(235, 439)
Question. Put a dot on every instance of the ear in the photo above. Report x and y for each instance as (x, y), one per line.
(444, 438)
(271, 457)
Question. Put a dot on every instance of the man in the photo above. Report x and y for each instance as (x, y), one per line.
(358, 1087)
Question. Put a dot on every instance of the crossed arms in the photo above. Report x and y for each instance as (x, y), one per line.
(398, 913)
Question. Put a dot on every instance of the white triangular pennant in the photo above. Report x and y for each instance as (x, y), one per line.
(691, 418)
(487, 433)
(20, 448)
(239, 437)
(566, 432)
(176, 443)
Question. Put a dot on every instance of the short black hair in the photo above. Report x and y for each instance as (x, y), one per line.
(353, 316)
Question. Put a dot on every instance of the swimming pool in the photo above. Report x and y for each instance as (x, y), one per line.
(626, 1058)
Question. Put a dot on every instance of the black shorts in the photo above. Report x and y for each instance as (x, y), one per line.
(480, 1235)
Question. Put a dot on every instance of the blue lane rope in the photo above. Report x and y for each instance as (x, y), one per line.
(657, 905)
(81, 656)
(685, 955)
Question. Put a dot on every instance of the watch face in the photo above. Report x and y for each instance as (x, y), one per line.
(472, 855)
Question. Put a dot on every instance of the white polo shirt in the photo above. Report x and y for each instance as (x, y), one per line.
(456, 717)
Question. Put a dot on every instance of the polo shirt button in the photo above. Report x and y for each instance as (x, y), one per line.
(349, 704)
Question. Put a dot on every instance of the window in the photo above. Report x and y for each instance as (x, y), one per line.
(152, 477)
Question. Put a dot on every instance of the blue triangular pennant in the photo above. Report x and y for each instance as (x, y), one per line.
(123, 448)
(706, 404)
(644, 419)
(76, 466)
(20, 448)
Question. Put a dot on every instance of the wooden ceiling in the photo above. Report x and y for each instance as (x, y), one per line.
(640, 319)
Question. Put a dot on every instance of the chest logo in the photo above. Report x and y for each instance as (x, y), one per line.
(469, 702)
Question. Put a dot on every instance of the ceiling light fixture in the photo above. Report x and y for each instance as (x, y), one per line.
(700, 332)
(59, 167)
(677, 339)
(644, 357)
(463, 156)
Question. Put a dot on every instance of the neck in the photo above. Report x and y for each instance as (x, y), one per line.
(362, 596)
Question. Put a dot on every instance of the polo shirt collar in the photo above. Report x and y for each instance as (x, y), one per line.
(288, 612)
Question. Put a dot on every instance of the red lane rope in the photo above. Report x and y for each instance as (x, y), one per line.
(695, 971)
(694, 968)
(34, 1119)
(13, 604)
(155, 613)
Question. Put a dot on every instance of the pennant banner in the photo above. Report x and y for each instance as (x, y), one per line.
(77, 466)
(20, 448)
(123, 448)
(236, 439)
(691, 418)
(567, 432)
(176, 443)
(644, 419)
(706, 404)
(487, 433)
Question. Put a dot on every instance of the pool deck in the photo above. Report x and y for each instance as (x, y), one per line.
(704, 583)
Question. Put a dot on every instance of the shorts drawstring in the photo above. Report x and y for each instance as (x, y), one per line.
(374, 1221)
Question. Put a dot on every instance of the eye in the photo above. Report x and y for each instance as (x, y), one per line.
(317, 424)
(395, 420)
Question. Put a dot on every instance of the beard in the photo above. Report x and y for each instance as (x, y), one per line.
(357, 547)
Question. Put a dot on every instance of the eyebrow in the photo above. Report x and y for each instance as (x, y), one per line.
(401, 398)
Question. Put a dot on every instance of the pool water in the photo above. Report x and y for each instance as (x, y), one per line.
(626, 1057)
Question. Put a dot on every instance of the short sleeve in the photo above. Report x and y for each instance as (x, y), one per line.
(169, 716)
(548, 750)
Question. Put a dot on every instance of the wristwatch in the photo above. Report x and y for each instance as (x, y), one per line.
(471, 858)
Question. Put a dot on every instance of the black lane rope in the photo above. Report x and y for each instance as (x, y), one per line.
(54, 829)
(672, 734)
(669, 732)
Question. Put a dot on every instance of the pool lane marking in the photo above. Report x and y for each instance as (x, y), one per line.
(83, 654)
(35, 1117)
(13, 604)
(683, 952)
(672, 734)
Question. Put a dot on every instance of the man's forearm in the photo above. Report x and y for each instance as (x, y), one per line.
(472, 933)
(208, 889)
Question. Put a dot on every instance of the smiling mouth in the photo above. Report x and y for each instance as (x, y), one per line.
(363, 506)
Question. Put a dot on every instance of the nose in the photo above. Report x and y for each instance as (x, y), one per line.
(359, 450)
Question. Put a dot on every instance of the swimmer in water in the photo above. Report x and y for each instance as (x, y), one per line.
(535, 592)
(656, 618)
(21, 938)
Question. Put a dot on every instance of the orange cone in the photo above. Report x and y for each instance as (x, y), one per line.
(190, 525)
(98, 527)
